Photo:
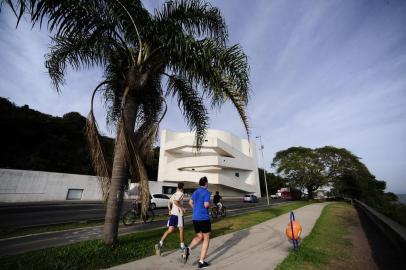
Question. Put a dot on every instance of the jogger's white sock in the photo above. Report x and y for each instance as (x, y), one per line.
(182, 245)
(161, 243)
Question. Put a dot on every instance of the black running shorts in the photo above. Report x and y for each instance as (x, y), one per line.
(202, 226)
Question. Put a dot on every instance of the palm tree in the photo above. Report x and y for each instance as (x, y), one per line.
(179, 51)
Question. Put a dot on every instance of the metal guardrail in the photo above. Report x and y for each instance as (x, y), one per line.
(395, 232)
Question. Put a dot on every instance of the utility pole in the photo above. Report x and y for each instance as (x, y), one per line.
(263, 167)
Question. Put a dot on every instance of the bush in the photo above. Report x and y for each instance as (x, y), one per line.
(388, 207)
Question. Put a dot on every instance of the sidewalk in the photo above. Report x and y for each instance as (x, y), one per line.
(262, 246)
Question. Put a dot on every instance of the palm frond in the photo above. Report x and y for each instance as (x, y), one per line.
(18, 7)
(115, 72)
(103, 169)
(132, 25)
(83, 52)
(66, 17)
(196, 18)
(239, 102)
(222, 72)
(191, 105)
(99, 163)
(209, 64)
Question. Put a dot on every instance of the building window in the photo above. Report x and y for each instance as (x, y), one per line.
(237, 174)
(168, 190)
(161, 196)
(188, 191)
(74, 194)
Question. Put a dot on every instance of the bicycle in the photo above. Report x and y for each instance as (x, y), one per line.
(132, 215)
(215, 211)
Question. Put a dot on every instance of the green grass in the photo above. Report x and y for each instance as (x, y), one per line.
(327, 245)
(94, 254)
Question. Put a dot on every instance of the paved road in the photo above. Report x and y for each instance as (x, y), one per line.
(26, 215)
(24, 244)
(23, 216)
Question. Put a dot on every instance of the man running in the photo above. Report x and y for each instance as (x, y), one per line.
(200, 202)
(176, 211)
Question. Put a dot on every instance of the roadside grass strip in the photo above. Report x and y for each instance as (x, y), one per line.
(328, 246)
(94, 254)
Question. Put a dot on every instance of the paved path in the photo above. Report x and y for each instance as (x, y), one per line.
(262, 246)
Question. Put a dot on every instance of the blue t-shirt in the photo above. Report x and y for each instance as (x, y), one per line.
(200, 196)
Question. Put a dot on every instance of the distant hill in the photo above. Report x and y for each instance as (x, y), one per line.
(32, 140)
(402, 198)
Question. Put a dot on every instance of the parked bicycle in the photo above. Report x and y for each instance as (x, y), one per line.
(134, 214)
(215, 212)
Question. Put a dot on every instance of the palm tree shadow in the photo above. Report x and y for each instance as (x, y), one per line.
(230, 243)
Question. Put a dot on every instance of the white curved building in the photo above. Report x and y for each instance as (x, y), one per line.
(229, 163)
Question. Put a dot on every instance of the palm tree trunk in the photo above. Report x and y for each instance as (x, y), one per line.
(119, 176)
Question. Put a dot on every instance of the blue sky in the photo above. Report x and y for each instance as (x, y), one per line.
(322, 73)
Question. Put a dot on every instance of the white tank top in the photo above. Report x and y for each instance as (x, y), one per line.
(175, 210)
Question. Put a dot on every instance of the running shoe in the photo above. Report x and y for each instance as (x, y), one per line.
(158, 249)
(202, 265)
(186, 253)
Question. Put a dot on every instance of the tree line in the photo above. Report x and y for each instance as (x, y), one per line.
(337, 168)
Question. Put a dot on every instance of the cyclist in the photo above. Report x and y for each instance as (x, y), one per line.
(176, 211)
(218, 201)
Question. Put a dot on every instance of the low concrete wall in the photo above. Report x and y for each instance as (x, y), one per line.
(35, 186)
(395, 232)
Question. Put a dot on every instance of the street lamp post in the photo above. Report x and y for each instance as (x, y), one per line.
(263, 167)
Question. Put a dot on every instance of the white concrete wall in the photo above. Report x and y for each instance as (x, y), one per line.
(36, 186)
(222, 156)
